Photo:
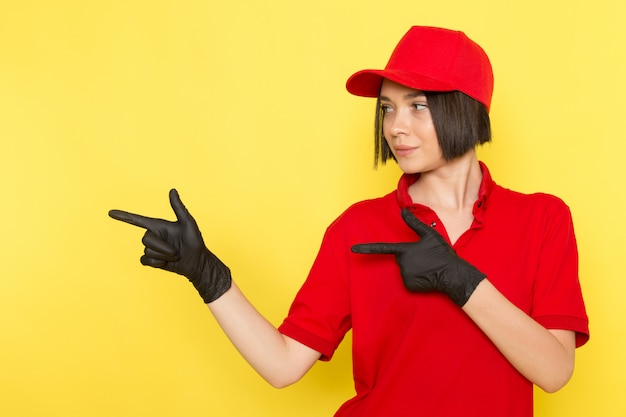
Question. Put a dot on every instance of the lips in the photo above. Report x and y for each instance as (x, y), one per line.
(404, 150)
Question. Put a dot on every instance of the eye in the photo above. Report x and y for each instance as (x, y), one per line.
(420, 106)
(386, 108)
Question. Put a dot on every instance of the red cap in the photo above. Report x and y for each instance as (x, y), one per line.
(432, 59)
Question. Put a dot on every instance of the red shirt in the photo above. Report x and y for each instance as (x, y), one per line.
(418, 354)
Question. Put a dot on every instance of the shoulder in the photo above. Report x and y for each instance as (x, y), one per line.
(366, 217)
(508, 199)
(536, 211)
(528, 201)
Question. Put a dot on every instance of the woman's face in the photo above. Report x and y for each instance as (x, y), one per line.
(408, 128)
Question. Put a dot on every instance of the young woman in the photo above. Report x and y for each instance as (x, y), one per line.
(460, 294)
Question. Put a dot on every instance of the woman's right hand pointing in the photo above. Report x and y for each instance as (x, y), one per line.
(178, 247)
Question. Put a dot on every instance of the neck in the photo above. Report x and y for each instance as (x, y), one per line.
(453, 186)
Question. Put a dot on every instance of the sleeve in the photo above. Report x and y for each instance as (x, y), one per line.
(319, 316)
(557, 296)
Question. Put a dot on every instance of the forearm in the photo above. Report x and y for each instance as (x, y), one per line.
(545, 357)
(179, 247)
(279, 359)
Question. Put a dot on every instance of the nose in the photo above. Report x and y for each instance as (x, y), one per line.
(399, 123)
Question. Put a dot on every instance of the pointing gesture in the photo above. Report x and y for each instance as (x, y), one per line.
(429, 264)
(178, 247)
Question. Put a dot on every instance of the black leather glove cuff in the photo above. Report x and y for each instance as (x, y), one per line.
(468, 278)
(214, 280)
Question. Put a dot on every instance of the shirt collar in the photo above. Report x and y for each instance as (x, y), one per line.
(486, 186)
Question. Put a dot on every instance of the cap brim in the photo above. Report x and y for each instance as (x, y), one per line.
(366, 83)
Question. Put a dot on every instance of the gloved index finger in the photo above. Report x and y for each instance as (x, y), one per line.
(377, 248)
(134, 219)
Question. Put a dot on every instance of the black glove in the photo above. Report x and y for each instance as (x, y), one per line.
(178, 247)
(429, 264)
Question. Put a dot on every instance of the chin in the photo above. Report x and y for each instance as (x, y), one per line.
(411, 171)
(419, 166)
(409, 168)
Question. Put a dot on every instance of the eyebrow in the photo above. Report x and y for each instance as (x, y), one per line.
(406, 96)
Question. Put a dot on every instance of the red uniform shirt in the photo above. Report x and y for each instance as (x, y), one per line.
(418, 354)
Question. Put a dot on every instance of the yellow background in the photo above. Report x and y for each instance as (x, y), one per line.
(241, 106)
